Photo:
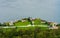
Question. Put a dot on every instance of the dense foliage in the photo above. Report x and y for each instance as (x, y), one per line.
(32, 32)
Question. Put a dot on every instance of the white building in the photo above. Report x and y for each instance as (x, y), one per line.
(53, 25)
(11, 23)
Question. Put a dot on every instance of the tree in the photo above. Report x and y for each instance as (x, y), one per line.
(0, 24)
(29, 19)
(4, 24)
(58, 24)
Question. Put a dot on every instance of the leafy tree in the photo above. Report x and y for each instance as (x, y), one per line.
(29, 19)
(0, 24)
(58, 24)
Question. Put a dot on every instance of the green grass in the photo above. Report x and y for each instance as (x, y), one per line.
(42, 25)
(37, 22)
(23, 28)
(22, 23)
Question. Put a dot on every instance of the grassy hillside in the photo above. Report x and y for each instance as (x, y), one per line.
(26, 22)
(27, 28)
(21, 23)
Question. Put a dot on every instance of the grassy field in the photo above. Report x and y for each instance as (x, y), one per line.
(22, 23)
(23, 28)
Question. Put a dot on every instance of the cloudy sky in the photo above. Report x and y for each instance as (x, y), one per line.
(17, 9)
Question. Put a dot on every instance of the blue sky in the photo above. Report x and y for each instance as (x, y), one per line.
(17, 9)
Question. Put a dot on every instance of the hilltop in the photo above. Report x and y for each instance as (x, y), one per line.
(29, 28)
(26, 22)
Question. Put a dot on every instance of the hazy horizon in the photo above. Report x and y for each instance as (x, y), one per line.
(17, 9)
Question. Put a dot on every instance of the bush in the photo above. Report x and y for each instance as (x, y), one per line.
(29, 33)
